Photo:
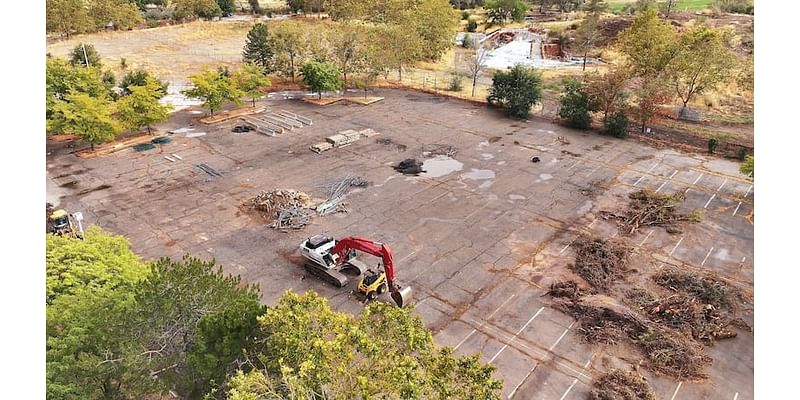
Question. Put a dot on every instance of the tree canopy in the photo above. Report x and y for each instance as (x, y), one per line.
(251, 80)
(259, 48)
(141, 108)
(575, 105)
(197, 9)
(649, 44)
(61, 78)
(214, 89)
(321, 77)
(516, 90)
(89, 117)
(84, 52)
(501, 11)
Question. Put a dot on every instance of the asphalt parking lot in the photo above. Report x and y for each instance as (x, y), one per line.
(478, 241)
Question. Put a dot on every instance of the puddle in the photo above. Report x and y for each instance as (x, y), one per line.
(487, 156)
(516, 197)
(440, 166)
(501, 163)
(478, 174)
(486, 185)
(545, 177)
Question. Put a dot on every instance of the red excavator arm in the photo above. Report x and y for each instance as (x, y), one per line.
(343, 246)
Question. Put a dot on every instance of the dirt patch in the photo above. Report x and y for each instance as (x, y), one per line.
(621, 385)
(648, 208)
(391, 143)
(600, 262)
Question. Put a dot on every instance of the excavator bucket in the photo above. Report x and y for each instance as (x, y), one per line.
(403, 296)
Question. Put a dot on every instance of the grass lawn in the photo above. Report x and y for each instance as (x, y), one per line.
(678, 5)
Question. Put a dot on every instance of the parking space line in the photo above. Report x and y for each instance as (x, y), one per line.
(748, 191)
(487, 318)
(574, 381)
(574, 165)
(695, 182)
(736, 396)
(517, 334)
(744, 197)
(667, 180)
(676, 390)
(576, 238)
(646, 237)
(510, 395)
(709, 200)
(707, 254)
(561, 337)
(676, 246)
(723, 184)
(594, 170)
(736, 209)
(648, 171)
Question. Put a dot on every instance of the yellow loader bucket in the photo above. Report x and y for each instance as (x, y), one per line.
(403, 296)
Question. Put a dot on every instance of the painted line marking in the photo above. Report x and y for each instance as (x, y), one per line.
(707, 254)
(510, 395)
(737, 209)
(740, 203)
(709, 200)
(594, 170)
(481, 324)
(723, 184)
(748, 190)
(576, 238)
(667, 180)
(574, 381)
(517, 334)
(736, 396)
(676, 246)
(676, 390)
(648, 171)
(574, 165)
(646, 237)
(695, 182)
(561, 337)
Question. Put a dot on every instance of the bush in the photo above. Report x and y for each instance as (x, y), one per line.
(735, 6)
(575, 105)
(712, 145)
(468, 42)
(464, 15)
(516, 90)
(472, 25)
(616, 124)
(747, 166)
(456, 82)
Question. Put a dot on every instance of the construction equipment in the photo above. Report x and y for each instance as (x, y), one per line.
(63, 223)
(326, 256)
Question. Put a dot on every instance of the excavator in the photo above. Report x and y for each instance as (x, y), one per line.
(327, 258)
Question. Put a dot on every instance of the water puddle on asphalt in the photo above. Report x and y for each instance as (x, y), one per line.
(487, 156)
(516, 197)
(478, 174)
(440, 166)
(545, 177)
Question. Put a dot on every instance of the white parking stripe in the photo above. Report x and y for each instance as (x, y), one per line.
(737, 208)
(676, 246)
(594, 170)
(709, 200)
(648, 171)
(723, 184)
(667, 180)
(646, 237)
(695, 182)
(707, 254)
(575, 380)
(517, 334)
(736, 396)
(561, 337)
(510, 395)
(487, 318)
(574, 165)
(676, 390)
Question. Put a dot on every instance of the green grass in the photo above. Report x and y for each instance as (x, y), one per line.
(679, 5)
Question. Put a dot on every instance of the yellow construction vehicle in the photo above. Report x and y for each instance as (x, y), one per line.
(63, 223)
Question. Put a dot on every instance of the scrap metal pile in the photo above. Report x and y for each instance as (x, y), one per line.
(433, 150)
(337, 190)
(648, 208)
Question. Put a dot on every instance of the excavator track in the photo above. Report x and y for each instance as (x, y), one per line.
(333, 277)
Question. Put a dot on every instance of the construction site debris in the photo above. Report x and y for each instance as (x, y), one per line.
(270, 203)
(321, 146)
(409, 166)
(342, 139)
(292, 217)
(600, 262)
(621, 385)
(390, 142)
(433, 150)
(708, 289)
(535, 159)
(569, 153)
(161, 140)
(648, 208)
(208, 170)
(242, 129)
(337, 191)
(568, 289)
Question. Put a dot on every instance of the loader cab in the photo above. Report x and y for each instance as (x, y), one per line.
(60, 220)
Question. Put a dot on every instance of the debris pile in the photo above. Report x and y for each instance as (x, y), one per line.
(270, 204)
(292, 217)
(600, 262)
(342, 139)
(409, 166)
(621, 385)
(209, 170)
(648, 208)
(337, 190)
(568, 289)
(391, 143)
(433, 150)
(143, 147)
(242, 129)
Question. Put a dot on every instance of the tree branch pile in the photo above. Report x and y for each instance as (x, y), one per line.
(600, 262)
(269, 203)
(621, 385)
(648, 208)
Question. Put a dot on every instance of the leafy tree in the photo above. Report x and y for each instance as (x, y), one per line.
(67, 17)
(401, 47)
(516, 90)
(595, 6)
(616, 124)
(141, 108)
(435, 23)
(587, 36)
(196, 9)
(214, 89)
(91, 118)
(747, 166)
(63, 78)
(142, 4)
(84, 52)
(607, 92)
(108, 79)
(227, 6)
(472, 25)
(140, 78)
(649, 95)
(465, 4)
(251, 80)
(501, 11)
(649, 45)
(255, 8)
(122, 14)
(702, 61)
(259, 48)
(311, 351)
(575, 105)
(291, 46)
(321, 77)
(347, 41)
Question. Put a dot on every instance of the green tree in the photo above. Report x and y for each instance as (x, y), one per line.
(251, 80)
(587, 36)
(321, 77)
(435, 23)
(206, 9)
(121, 14)
(616, 124)
(66, 17)
(84, 52)
(701, 63)
(649, 45)
(311, 351)
(595, 6)
(91, 118)
(575, 105)
(259, 48)
(214, 89)
(291, 46)
(141, 108)
(347, 41)
(62, 78)
(516, 90)
(649, 94)
(747, 166)
(401, 47)
(255, 7)
(607, 92)
(140, 78)
(227, 6)
(502, 11)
